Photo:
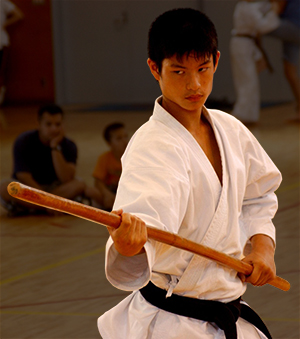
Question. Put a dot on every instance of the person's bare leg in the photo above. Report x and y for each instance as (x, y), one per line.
(95, 195)
(291, 75)
(70, 189)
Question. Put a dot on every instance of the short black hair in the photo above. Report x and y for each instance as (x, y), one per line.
(51, 109)
(111, 128)
(182, 31)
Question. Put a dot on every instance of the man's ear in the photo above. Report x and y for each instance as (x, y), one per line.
(217, 60)
(153, 69)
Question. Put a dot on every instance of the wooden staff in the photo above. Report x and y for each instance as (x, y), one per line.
(96, 215)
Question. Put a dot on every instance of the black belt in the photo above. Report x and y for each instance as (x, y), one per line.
(224, 315)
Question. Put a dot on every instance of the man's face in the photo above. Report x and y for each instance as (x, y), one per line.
(50, 126)
(185, 84)
(118, 140)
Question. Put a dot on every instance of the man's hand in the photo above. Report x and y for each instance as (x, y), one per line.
(57, 139)
(129, 238)
(262, 260)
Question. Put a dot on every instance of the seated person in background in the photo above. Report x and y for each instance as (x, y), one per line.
(108, 168)
(44, 159)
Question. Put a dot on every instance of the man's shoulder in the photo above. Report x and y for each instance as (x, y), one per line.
(67, 142)
(27, 136)
(225, 119)
(156, 134)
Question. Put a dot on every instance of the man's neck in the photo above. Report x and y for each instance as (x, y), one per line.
(43, 140)
(189, 119)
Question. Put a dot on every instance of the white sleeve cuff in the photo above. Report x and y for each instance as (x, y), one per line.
(128, 273)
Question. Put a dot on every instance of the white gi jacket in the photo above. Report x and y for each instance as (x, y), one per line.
(168, 182)
(252, 19)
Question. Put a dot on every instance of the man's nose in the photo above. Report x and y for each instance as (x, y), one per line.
(54, 128)
(194, 82)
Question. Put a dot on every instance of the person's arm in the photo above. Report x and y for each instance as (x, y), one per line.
(100, 173)
(265, 19)
(14, 16)
(262, 259)
(154, 186)
(64, 170)
(258, 209)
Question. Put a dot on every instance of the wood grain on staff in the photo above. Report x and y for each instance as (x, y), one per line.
(51, 201)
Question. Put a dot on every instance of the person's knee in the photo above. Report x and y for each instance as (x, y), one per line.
(3, 189)
(88, 191)
(79, 186)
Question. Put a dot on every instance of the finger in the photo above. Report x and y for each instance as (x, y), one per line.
(253, 278)
(242, 277)
(258, 277)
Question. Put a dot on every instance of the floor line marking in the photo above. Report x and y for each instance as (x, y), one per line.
(51, 266)
(56, 224)
(66, 301)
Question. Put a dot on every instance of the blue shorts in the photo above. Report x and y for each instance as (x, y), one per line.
(289, 33)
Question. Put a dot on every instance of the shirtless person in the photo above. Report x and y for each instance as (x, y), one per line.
(201, 174)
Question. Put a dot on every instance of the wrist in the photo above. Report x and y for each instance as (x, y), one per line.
(56, 148)
(261, 242)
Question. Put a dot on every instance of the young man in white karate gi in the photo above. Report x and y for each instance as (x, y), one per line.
(201, 174)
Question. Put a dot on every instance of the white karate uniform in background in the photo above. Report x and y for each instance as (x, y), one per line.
(168, 182)
(250, 18)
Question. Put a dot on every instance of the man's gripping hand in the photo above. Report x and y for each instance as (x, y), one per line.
(130, 237)
(262, 260)
(58, 138)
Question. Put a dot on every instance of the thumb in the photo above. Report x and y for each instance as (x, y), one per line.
(118, 212)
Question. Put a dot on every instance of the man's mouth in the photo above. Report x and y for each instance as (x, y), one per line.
(194, 97)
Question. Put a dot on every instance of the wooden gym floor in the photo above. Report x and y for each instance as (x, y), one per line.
(53, 284)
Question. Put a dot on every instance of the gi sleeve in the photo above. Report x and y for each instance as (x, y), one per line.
(154, 186)
(260, 202)
(266, 19)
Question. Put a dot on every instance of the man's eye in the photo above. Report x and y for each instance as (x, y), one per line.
(179, 72)
(203, 69)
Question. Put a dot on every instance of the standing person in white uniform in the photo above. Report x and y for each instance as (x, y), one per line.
(250, 21)
(201, 174)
